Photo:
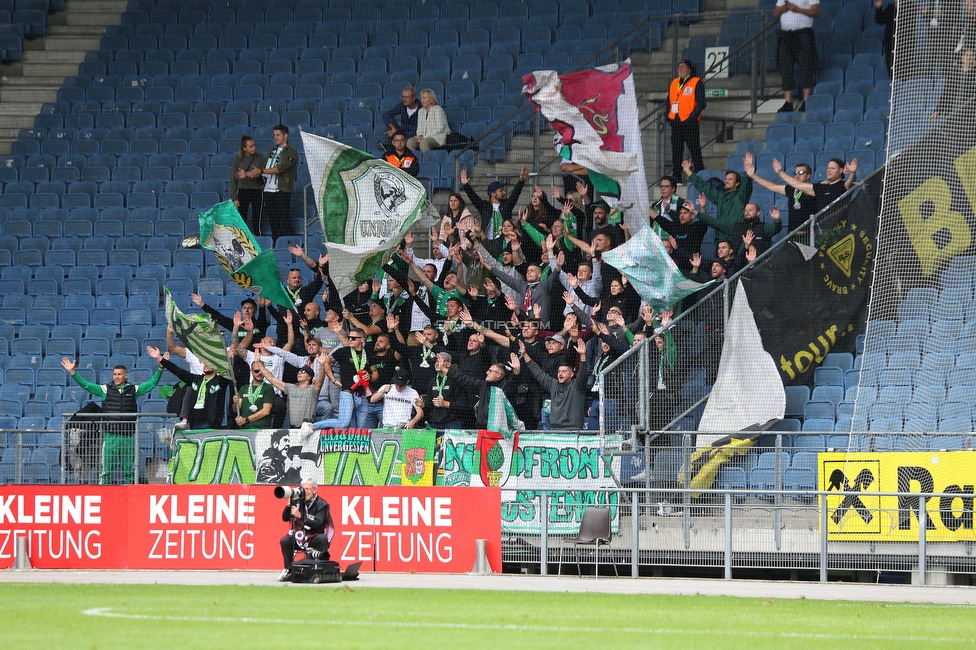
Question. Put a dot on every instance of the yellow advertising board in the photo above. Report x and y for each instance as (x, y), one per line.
(867, 516)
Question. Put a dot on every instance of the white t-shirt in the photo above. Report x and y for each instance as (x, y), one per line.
(397, 406)
(271, 180)
(791, 20)
(274, 363)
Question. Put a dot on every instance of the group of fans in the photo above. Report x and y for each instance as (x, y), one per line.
(517, 298)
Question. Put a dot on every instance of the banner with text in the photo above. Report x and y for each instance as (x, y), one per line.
(238, 527)
(282, 457)
(568, 468)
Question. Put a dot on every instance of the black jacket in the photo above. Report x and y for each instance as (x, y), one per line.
(212, 414)
(484, 207)
(316, 516)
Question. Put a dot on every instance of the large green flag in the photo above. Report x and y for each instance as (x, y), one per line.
(655, 276)
(224, 232)
(200, 335)
(366, 206)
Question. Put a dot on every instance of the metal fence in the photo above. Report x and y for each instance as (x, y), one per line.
(752, 532)
(75, 454)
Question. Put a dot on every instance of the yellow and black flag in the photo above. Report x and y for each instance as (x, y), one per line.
(707, 461)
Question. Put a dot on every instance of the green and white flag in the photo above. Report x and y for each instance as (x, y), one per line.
(200, 335)
(501, 414)
(647, 265)
(366, 206)
(224, 232)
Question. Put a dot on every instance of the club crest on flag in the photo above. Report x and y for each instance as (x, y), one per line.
(366, 206)
(495, 455)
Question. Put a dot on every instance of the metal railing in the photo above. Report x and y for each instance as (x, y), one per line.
(77, 456)
(723, 530)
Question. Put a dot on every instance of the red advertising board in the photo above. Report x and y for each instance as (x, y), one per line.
(237, 527)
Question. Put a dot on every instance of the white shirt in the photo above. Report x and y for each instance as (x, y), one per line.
(271, 180)
(275, 364)
(791, 20)
(397, 406)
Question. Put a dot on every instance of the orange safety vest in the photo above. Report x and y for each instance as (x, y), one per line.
(406, 162)
(684, 96)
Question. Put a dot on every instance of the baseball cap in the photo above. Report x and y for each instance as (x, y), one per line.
(401, 377)
(557, 338)
(495, 186)
(308, 370)
(445, 356)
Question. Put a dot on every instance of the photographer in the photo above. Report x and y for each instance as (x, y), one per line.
(311, 527)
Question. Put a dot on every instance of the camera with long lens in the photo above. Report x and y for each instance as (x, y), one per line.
(288, 492)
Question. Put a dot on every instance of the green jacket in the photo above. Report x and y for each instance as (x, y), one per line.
(98, 390)
(731, 205)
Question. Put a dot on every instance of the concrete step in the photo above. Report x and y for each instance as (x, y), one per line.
(63, 70)
(20, 109)
(20, 81)
(78, 43)
(92, 18)
(77, 30)
(24, 95)
(54, 56)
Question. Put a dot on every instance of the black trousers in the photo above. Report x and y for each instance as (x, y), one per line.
(685, 133)
(251, 200)
(800, 47)
(277, 205)
(288, 548)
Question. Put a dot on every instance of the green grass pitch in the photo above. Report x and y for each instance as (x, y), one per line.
(349, 616)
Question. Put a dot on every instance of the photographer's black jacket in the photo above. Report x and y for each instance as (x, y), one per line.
(315, 515)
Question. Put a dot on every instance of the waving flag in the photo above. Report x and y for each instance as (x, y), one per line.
(200, 335)
(594, 113)
(224, 232)
(366, 206)
(655, 276)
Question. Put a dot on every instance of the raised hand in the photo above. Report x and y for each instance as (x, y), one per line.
(296, 250)
(569, 298)
(573, 280)
(197, 299)
(747, 164)
(392, 322)
(238, 319)
(153, 352)
(774, 213)
(581, 188)
(537, 310)
(751, 253)
(289, 317)
(523, 174)
(513, 361)
(748, 237)
(702, 201)
(69, 365)
(777, 165)
(473, 291)
(555, 193)
(696, 260)
(580, 347)
(523, 213)
(464, 177)
(851, 167)
(408, 239)
(686, 166)
(510, 303)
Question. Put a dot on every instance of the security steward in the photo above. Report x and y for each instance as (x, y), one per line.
(401, 156)
(686, 99)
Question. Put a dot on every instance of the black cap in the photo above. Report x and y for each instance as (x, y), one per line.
(401, 377)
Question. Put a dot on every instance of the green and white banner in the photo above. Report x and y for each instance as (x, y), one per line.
(201, 335)
(224, 232)
(568, 468)
(366, 206)
(285, 457)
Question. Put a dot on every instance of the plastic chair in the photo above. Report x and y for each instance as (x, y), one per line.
(594, 529)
